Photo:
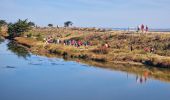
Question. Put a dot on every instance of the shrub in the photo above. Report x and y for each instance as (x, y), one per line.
(39, 37)
(18, 28)
(2, 23)
(29, 35)
(50, 25)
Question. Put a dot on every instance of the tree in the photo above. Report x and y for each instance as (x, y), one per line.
(3, 22)
(68, 23)
(31, 24)
(18, 28)
(50, 25)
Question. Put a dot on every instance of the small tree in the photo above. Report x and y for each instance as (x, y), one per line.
(68, 23)
(31, 24)
(18, 28)
(3, 22)
(50, 25)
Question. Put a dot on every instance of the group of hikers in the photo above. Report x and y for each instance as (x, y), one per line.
(77, 43)
(142, 28)
(71, 42)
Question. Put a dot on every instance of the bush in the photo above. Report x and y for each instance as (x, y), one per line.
(2, 23)
(18, 28)
(39, 37)
(29, 35)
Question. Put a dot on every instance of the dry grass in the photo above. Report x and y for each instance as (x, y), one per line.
(125, 47)
(3, 31)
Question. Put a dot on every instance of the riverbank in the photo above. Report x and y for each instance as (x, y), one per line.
(130, 68)
(134, 48)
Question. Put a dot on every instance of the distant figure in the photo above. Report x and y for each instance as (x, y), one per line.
(147, 29)
(152, 50)
(138, 29)
(137, 79)
(128, 29)
(141, 79)
(106, 45)
(142, 28)
(58, 41)
(146, 49)
(131, 48)
(146, 74)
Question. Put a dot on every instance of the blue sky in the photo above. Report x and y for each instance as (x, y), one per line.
(89, 13)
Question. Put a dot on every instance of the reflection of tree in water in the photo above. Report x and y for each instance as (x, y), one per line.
(1, 40)
(19, 50)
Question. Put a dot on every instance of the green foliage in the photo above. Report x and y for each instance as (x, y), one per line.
(39, 37)
(19, 50)
(67, 35)
(18, 28)
(31, 24)
(1, 39)
(50, 25)
(68, 23)
(29, 35)
(3, 22)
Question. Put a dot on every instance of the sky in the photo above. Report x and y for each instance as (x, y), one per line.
(89, 13)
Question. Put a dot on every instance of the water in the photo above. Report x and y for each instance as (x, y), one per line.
(24, 76)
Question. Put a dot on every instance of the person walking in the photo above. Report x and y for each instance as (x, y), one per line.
(142, 28)
(138, 29)
(147, 29)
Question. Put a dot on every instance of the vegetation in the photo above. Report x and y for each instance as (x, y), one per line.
(124, 47)
(50, 25)
(2, 22)
(150, 49)
(32, 24)
(68, 23)
(18, 28)
(1, 39)
(3, 28)
(19, 50)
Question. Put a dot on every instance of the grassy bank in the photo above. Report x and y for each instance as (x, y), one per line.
(125, 47)
(119, 56)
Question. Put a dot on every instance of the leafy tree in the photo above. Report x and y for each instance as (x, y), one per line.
(3, 22)
(18, 28)
(68, 23)
(50, 25)
(31, 24)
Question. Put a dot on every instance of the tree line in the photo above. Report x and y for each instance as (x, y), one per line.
(18, 28)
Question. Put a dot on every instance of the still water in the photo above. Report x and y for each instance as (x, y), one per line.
(24, 76)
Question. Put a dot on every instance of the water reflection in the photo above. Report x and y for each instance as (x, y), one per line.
(142, 78)
(1, 40)
(143, 73)
(56, 79)
(19, 50)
